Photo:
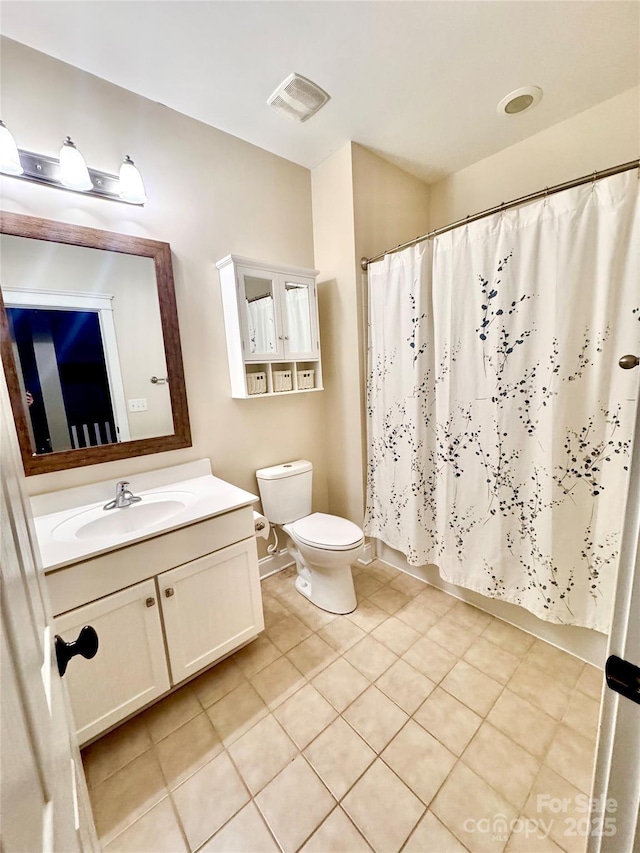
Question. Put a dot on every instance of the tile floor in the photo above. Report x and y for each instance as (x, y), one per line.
(416, 723)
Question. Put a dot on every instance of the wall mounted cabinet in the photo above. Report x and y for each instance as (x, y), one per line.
(271, 325)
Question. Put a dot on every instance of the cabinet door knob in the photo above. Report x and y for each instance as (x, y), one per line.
(150, 601)
(286, 337)
(86, 645)
(169, 591)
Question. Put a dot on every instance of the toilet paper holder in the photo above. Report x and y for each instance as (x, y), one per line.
(261, 526)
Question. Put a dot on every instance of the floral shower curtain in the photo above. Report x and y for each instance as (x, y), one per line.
(499, 425)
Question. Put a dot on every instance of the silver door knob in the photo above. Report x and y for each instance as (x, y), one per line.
(629, 361)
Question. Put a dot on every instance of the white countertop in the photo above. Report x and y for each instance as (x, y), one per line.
(212, 497)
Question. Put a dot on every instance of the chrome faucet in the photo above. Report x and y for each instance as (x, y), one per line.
(124, 497)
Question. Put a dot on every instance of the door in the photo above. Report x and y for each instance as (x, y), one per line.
(130, 669)
(67, 356)
(210, 606)
(262, 335)
(43, 798)
(616, 789)
(300, 325)
(63, 366)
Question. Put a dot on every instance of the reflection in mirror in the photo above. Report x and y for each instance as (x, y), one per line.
(87, 338)
(260, 315)
(298, 309)
(90, 344)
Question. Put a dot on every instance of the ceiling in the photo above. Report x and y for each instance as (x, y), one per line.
(416, 82)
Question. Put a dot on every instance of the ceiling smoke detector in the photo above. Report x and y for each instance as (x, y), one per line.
(520, 100)
(298, 98)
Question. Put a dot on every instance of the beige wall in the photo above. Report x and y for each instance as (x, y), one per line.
(604, 136)
(334, 243)
(362, 205)
(209, 194)
(390, 205)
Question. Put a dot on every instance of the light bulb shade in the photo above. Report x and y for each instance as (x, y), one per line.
(131, 185)
(9, 157)
(73, 170)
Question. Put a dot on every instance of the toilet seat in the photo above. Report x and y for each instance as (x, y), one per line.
(328, 532)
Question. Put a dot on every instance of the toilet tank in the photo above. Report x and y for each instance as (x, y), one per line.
(285, 491)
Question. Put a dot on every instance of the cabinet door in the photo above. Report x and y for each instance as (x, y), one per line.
(210, 606)
(130, 668)
(300, 324)
(262, 335)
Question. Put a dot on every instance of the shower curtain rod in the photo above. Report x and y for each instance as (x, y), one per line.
(507, 205)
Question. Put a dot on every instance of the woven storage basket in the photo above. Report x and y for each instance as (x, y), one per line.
(306, 379)
(257, 383)
(282, 380)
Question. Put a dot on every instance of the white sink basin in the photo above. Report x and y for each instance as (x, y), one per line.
(72, 525)
(98, 523)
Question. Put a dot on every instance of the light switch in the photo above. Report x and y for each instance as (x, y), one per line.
(139, 405)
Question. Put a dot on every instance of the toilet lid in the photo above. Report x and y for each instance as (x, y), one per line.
(327, 531)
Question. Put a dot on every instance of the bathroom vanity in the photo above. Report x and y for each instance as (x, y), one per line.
(170, 584)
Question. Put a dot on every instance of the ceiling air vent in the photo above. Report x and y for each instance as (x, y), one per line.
(298, 98)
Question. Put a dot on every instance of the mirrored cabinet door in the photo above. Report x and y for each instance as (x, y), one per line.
(263, 337)
(298, 309)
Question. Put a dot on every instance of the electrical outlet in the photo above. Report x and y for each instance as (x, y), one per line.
(139, 405)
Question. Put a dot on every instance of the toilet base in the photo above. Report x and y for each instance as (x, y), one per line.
(332, 592)
(303, 586)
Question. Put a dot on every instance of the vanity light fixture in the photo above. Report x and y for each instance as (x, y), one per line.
(9, 158)
(131, 185)
(74, 174)
(70, 172)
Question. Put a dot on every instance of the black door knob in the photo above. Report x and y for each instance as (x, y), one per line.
(623, 677)
(86, 645)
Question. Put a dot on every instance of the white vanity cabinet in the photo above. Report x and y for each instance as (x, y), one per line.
(164, 609)
(209, 607)
(131, 668)
(271, 326)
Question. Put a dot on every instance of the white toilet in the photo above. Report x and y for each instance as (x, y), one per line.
(323, 546)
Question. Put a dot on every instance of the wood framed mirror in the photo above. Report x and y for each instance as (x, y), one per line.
(90, 344)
